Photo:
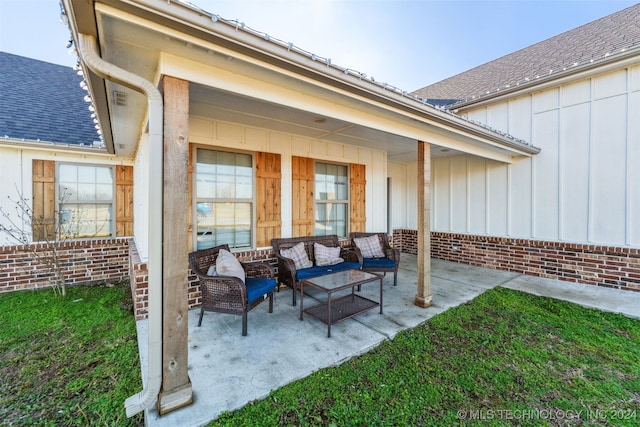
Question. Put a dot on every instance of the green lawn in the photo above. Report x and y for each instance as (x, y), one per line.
(68, 361)
(506, 358)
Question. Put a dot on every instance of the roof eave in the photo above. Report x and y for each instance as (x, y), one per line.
(56, 146)
(96, 85)
(621, 59)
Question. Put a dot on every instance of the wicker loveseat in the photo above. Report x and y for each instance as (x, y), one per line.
(290, 276)
(228, 294)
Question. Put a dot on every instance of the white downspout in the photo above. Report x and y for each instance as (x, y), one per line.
(88, 51)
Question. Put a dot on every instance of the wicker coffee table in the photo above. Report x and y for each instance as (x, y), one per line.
(335, 310)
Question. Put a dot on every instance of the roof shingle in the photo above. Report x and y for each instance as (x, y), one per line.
(43, 101)
(592, 41)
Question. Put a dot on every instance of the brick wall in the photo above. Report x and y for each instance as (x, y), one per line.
(101, 260)
(406, 240)
(615, 267)
(139, 282)
(96, 261)
(84, 261)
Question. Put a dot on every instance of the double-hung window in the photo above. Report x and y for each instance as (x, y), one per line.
(85, 201)
(331, 199)
(224, 198)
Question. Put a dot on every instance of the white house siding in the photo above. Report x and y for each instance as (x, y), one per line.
(398, 197)
(14, 183)
(141, 198)
(234, 136)
(583, 187)
(404, 195)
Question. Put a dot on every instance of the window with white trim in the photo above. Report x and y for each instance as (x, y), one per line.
(85, 197)
(224, 198)
(331, 199)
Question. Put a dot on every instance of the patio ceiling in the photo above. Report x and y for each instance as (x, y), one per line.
(224, 106)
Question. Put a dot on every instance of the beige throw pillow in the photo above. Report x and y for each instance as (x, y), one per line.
(228, 265)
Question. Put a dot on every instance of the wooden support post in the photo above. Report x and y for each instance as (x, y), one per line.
(175, 391)
(424, 298)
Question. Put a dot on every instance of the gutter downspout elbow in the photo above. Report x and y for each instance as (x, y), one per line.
(88, 51)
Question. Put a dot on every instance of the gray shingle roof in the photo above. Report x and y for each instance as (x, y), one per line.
(43, 101)
(592, 41)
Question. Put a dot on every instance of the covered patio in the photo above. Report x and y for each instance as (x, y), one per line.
(168, 80)
(227, 370)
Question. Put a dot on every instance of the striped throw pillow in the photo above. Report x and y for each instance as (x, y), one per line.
(369, 246)
(298, 255)
(325, 255)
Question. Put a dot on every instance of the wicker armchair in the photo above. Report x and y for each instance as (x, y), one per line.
(389, 263)
(228, 294)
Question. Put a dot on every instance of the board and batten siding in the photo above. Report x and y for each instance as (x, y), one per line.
(371, 172)
(584, 186)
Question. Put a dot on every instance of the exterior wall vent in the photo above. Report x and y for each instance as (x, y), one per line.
(120, 98)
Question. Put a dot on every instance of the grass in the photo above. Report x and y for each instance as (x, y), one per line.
(506, 358)
(68, 361)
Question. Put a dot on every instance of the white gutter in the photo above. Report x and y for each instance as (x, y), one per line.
(88, 51)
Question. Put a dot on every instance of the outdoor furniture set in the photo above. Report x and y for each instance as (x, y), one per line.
(314, 261)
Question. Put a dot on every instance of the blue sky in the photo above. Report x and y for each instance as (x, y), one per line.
(408, 44)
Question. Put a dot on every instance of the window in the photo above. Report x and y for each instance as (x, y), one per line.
(331, 199)
(85, 201)
(224, 198)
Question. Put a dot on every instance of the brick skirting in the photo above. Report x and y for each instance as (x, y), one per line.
(101, 260)
(406, 240)
(96, 261)
(84, 262)
(139, 282)
(610, 266)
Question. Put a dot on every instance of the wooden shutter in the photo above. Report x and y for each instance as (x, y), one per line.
(124, 201)
(302, 196)
(357, 189)
(268, 195)
(44, 190)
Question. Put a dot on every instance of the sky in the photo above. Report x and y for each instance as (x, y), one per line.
(405, 43)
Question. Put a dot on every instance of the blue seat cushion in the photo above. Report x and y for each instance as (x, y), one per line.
(257, 287)
(316, 270)
(378, 263)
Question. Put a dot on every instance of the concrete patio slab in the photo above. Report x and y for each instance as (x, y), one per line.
(227, 370)
(601, 298)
